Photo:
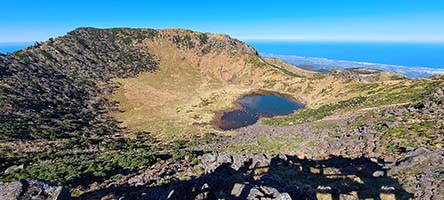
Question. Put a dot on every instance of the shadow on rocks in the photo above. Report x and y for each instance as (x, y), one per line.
(279, 177)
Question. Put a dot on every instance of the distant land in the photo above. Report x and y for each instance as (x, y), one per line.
(415, 60)
(326, 64)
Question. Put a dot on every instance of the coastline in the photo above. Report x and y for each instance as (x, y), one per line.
(326, 64)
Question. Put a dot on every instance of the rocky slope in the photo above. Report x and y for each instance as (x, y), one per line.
(53, 89)
(125, 113)
(401, 139)
(55, 105)
(354, 157)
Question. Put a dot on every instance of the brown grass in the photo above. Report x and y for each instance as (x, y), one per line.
(181, 98)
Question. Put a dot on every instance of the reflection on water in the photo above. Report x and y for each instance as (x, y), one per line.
(256, 106)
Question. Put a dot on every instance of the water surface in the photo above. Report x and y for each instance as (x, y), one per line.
(405, 54)
(411, 59)
(12, 47)
(253, 107)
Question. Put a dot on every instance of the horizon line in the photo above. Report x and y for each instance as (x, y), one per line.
(339, 40)
(281, 40)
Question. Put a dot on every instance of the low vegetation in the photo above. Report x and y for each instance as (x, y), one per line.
(79, 162)
(107, 104)
(373, 95)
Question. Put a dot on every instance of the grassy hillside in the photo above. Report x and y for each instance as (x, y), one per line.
(368, 96)
(98, 106)
(169, 82)
(191, 86)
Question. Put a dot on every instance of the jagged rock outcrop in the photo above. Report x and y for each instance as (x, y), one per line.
(204, 43)
(32, 189)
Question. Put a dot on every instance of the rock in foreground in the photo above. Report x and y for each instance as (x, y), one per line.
(32, 189)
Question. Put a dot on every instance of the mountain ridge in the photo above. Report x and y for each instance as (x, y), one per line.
(104, 111)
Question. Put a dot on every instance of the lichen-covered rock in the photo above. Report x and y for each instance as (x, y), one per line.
(32, 189)
(425, 170)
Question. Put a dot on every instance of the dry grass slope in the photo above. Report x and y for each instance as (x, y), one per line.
(200, 75)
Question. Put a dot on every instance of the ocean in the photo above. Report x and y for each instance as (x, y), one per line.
(412, 59)
(13, 46)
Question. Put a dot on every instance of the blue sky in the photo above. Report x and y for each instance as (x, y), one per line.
(339, 20)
